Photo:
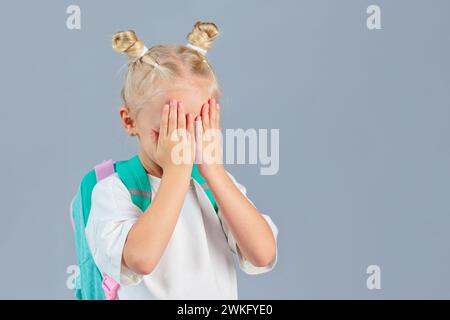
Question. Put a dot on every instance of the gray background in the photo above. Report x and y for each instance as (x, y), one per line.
(364, 127)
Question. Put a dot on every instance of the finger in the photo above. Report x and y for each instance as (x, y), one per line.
(190, 126)
(218, 116)
(181, 116)
(172, 118)
(198, 127)
(164, 121)
(189, 136)
(205, 116)
(212, 112)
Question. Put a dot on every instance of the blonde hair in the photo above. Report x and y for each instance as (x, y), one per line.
(164, 61)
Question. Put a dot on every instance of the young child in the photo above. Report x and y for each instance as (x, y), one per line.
(179, 247)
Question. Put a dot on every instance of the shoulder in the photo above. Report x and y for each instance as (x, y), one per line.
(110, 187)
(110, 197)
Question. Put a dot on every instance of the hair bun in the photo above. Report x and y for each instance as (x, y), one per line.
(127, 42)
(203, 34)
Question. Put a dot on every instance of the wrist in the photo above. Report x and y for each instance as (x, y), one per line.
(216, 172)
(174, 184)
(180, 171)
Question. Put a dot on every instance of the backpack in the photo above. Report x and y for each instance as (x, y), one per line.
(90, 283)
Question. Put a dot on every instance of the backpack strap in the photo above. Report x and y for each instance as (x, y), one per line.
(109, 286)
(135, 179)
(202, 182)
(104, 169)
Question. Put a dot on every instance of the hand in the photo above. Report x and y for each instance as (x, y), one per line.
(175, 148)
(208, 139)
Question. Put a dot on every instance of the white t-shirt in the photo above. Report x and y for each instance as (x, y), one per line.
(198, 260)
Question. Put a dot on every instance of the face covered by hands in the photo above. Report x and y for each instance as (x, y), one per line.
(165, 134)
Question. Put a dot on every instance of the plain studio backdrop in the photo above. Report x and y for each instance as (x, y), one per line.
(364, 175)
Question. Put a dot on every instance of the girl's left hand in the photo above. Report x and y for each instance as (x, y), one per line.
(208, 136)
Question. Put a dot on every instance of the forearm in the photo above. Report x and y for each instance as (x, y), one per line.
(150, 235)
(253, 234)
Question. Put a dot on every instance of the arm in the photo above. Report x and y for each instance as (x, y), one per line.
(253, 234)
(150, 235)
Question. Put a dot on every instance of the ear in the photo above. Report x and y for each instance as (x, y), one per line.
(127, 121)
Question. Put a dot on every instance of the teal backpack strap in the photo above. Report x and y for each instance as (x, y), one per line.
(135, 178)
(202, 182)
(87, 184)
(90, 283)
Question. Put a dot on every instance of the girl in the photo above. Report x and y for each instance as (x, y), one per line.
(178, 248)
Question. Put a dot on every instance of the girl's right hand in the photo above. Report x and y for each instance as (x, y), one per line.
(175, 148)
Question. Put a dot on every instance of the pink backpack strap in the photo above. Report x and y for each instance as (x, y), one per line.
(109, 285)
(104, 169)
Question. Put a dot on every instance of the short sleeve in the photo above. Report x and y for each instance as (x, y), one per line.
(111, 217)
(244, 264)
